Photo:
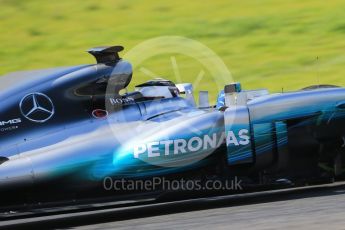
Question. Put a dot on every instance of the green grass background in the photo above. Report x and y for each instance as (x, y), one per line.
(268, 43)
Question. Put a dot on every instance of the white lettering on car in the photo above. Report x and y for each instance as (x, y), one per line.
(10, 122)
(121, 101)
(194, 144)
(244, 135)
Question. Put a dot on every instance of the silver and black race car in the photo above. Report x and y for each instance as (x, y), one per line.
(66, 131)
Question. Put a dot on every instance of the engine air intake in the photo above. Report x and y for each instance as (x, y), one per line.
(106, 54)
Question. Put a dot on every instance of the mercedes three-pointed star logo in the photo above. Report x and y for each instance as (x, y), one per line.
(36, 107)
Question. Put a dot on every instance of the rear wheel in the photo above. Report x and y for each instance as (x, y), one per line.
(332, 158)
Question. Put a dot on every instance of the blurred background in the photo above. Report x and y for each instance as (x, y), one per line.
(273, 44)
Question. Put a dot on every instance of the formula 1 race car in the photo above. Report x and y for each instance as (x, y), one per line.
(64, 130)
